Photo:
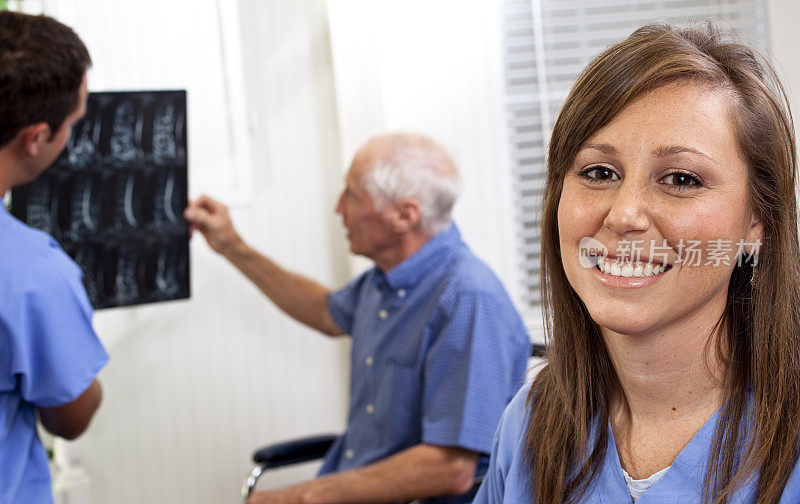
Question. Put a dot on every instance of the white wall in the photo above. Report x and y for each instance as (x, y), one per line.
(194, 386)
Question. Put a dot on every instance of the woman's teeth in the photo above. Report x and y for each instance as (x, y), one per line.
(611, 267)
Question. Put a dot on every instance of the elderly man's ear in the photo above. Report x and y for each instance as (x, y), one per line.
(405, 216)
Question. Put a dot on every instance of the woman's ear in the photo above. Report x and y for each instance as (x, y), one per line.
(755, 236)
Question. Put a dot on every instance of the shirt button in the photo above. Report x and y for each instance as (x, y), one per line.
(383, 314)
(368, 361)
(370, 409)
(349, 454)
(401, 293)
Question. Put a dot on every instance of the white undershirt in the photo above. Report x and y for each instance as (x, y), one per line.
(638, 487)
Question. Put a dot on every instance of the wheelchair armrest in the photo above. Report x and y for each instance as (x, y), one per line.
(538, 350)
(293, 452)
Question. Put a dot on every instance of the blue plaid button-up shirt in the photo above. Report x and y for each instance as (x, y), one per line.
(438, 351)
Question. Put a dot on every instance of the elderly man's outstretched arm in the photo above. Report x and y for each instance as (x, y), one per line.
(298, 296)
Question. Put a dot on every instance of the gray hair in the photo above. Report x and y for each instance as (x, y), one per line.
(415, 166)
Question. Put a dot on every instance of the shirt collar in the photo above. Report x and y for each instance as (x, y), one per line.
(684, 479)
(423, 261)
(5, 216)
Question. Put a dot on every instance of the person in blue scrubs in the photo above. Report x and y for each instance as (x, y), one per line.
(438, 348)
(49, 353)
(670, 267)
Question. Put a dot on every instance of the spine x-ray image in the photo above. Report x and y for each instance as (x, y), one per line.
(114, 200)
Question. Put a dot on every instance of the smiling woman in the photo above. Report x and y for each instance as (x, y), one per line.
(673, 368)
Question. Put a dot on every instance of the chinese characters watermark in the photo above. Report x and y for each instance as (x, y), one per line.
(692, 253)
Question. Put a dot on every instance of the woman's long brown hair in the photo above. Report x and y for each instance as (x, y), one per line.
(757, 431)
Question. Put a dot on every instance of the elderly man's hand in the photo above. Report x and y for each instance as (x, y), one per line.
(290, 495)
(211, 218)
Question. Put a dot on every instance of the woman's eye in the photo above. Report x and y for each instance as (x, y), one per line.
(599, 174)
(682, 180)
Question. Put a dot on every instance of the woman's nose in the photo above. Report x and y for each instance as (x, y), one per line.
(628, 211)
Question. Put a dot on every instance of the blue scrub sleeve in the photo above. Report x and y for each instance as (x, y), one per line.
(507, 452)
(491, 489)
(474, 365)
(55, 352)
(342, 303)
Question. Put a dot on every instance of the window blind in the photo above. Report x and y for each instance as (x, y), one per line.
(546, 43)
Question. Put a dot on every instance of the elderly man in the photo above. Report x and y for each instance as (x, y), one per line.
(49, 353)
(438, 348)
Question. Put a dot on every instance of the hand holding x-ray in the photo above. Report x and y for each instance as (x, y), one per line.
(211, 218)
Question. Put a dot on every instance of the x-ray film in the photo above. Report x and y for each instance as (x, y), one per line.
(114, 199)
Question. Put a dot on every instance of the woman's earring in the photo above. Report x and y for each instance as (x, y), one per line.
(753, 278)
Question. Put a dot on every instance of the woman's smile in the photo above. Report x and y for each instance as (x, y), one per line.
(612, 272)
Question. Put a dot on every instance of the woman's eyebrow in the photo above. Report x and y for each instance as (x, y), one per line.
(602, 147)
(671, 150)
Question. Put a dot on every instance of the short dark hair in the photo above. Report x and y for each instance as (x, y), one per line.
(42, 64)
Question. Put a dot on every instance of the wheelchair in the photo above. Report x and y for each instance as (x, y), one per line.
(315, 447)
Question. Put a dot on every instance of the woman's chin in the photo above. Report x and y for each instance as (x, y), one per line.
(631, 322)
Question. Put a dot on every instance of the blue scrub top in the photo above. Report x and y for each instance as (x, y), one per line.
(438, 351)
(49, 353)
(683, 483)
